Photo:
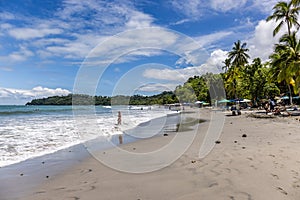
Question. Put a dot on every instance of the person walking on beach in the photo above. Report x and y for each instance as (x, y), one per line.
(119, 118)
(119, 123)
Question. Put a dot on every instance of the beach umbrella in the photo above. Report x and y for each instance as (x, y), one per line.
(198, 102)
(285, 97)
(246, 100)
(224, 101)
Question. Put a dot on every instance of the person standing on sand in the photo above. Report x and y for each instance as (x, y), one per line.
(119, 118)
(119, 123)
(272, 104)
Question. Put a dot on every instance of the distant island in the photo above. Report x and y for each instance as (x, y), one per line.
(167, 97)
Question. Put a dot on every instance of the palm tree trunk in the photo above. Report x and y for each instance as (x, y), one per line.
(288, 24)
(290, 91)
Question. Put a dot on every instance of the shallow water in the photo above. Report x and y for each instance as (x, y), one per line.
(31, 131)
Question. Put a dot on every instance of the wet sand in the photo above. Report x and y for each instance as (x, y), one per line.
(252, 159)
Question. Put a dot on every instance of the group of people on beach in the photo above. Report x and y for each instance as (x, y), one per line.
(276, 108)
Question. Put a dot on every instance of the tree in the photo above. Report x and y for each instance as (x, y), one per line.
(185, 93)
(238, 56)
(286, 13)
(226, 64)
(231, 82)
(285, 62)
(291, 46)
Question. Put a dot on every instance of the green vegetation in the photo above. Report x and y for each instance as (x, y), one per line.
(78, 99)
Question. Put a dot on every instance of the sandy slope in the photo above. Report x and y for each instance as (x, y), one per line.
(263, 165)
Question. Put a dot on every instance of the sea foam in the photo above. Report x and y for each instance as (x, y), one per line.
(30, 135)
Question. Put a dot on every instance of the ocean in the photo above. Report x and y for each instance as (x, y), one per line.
(30, 131)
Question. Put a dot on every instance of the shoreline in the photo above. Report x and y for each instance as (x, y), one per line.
(22, 177)
(254, 159)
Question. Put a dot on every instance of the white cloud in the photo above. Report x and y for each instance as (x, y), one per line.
(213, 64)
(20, 55)
(158, 87)
(139, 20)
(192, 8)
(30, 33)
(132, 44)
(265, 6)
(262, 43)
(81, 35)
(5, 26)
(196, 57)
(18, 96)
(196, 9)
(226, 5)
(208, 39)
(6, 16)
(180, 22)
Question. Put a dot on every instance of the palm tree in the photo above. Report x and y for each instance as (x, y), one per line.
(292, 45)
(286, 13)
(226, 66)
(285, 62)
(237, 58)
(231, 82)
(238, 55)
(296, 2)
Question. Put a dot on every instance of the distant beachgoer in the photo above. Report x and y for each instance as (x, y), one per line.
(267, 107)
(272, 105)
(277, 111)
(119, 118)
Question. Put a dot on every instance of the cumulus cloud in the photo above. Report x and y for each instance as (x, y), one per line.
(262, 42)
(213, 64)
(139, 20)
(18, 96)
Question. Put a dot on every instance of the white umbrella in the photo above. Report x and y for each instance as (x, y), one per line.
(246, 100)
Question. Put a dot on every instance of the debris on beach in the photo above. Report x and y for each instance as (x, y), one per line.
(262, 116)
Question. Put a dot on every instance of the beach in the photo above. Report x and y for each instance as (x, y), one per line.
(253, 159)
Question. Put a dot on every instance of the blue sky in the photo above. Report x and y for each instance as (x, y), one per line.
(52, 47)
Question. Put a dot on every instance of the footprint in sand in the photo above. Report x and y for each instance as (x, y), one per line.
(282, 191)
(275, 176)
